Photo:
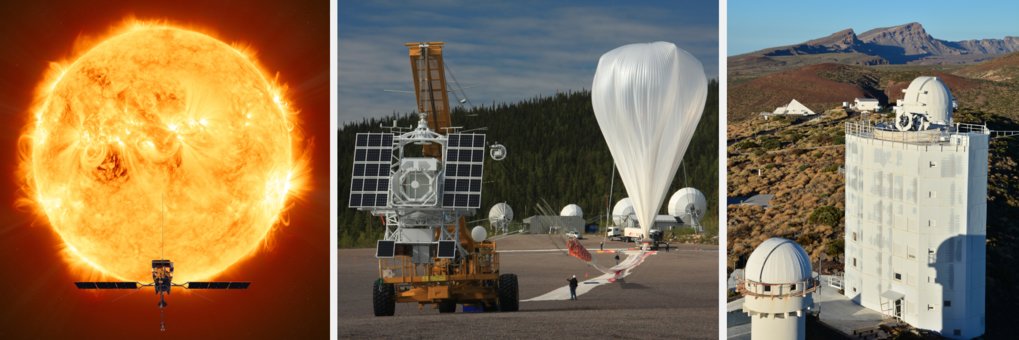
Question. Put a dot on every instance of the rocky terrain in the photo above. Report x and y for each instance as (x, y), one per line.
(896, 45)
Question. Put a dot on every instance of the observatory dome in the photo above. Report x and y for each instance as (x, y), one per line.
(778, 261)
(500, 212)
(688, 204)
(623, 211)
(930, 96)
(572, 210)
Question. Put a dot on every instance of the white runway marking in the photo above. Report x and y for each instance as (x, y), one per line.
(633, 259)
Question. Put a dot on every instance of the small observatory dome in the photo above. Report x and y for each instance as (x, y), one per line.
(777, 289)
(930, 96)
(778, 261)
(572, 210)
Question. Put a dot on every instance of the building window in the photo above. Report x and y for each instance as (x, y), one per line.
(767, 288)
(854, 236)
(933, 164)
(898, 276)
(854, 289)
(780, 315)
(854, 262)
(948, 303)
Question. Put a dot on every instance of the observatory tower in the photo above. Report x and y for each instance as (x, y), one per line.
(916, 206)
(776, 290)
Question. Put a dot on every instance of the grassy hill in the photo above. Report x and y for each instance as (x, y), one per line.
(556, 153)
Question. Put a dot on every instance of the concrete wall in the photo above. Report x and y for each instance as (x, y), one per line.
(916, 225)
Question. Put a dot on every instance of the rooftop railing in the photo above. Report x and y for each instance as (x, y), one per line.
(886, 131)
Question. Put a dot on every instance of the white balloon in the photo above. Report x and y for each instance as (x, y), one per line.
(479, 234)
(572, 210)
(648, 99)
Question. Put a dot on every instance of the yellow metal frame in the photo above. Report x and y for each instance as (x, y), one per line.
(443, 280)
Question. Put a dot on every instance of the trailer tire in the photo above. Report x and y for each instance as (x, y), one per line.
(509, 293)
(384, 298)
(447, 306)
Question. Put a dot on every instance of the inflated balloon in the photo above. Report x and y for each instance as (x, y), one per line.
(648, 99)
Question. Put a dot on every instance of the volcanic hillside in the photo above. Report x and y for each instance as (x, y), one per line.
(897, 45)
(825, 86)
(1005, 69)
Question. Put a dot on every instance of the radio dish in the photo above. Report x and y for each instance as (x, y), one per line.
(500, 216)
(689, 205)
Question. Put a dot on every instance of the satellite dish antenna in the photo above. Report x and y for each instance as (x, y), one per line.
(689, 205)
(648, 99)
(497, 151)
(500, 216)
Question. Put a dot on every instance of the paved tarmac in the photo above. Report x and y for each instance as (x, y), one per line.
(670, 295)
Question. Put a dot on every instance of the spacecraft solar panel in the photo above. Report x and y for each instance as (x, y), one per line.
(239, 285)
(465, 159)
(85, 285)
(219, 285)
(198, 285)
(106, 285)
(373, 157)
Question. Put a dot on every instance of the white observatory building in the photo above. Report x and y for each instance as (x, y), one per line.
(916, 206)
(776, 289)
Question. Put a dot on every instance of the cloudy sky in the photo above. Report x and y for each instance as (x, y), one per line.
(503, 52)
(755, 25)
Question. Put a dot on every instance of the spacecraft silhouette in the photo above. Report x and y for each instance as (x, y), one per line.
(162, 282)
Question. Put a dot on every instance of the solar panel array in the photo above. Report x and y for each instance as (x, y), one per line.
(106, 285)
(218, 285)
(385, 249)
(373, 156)
(447, 250)
(465, 157)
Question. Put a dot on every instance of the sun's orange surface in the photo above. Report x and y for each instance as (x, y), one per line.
(161, 142)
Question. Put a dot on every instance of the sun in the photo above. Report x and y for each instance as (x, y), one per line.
(161, 142)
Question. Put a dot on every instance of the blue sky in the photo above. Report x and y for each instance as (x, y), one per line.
(754, 25)
(507, 51)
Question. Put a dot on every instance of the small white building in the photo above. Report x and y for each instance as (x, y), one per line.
(793, 108)
(777, 286)
(916, 211)
(866, 105)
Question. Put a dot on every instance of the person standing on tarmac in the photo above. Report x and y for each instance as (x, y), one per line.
(573, 287)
